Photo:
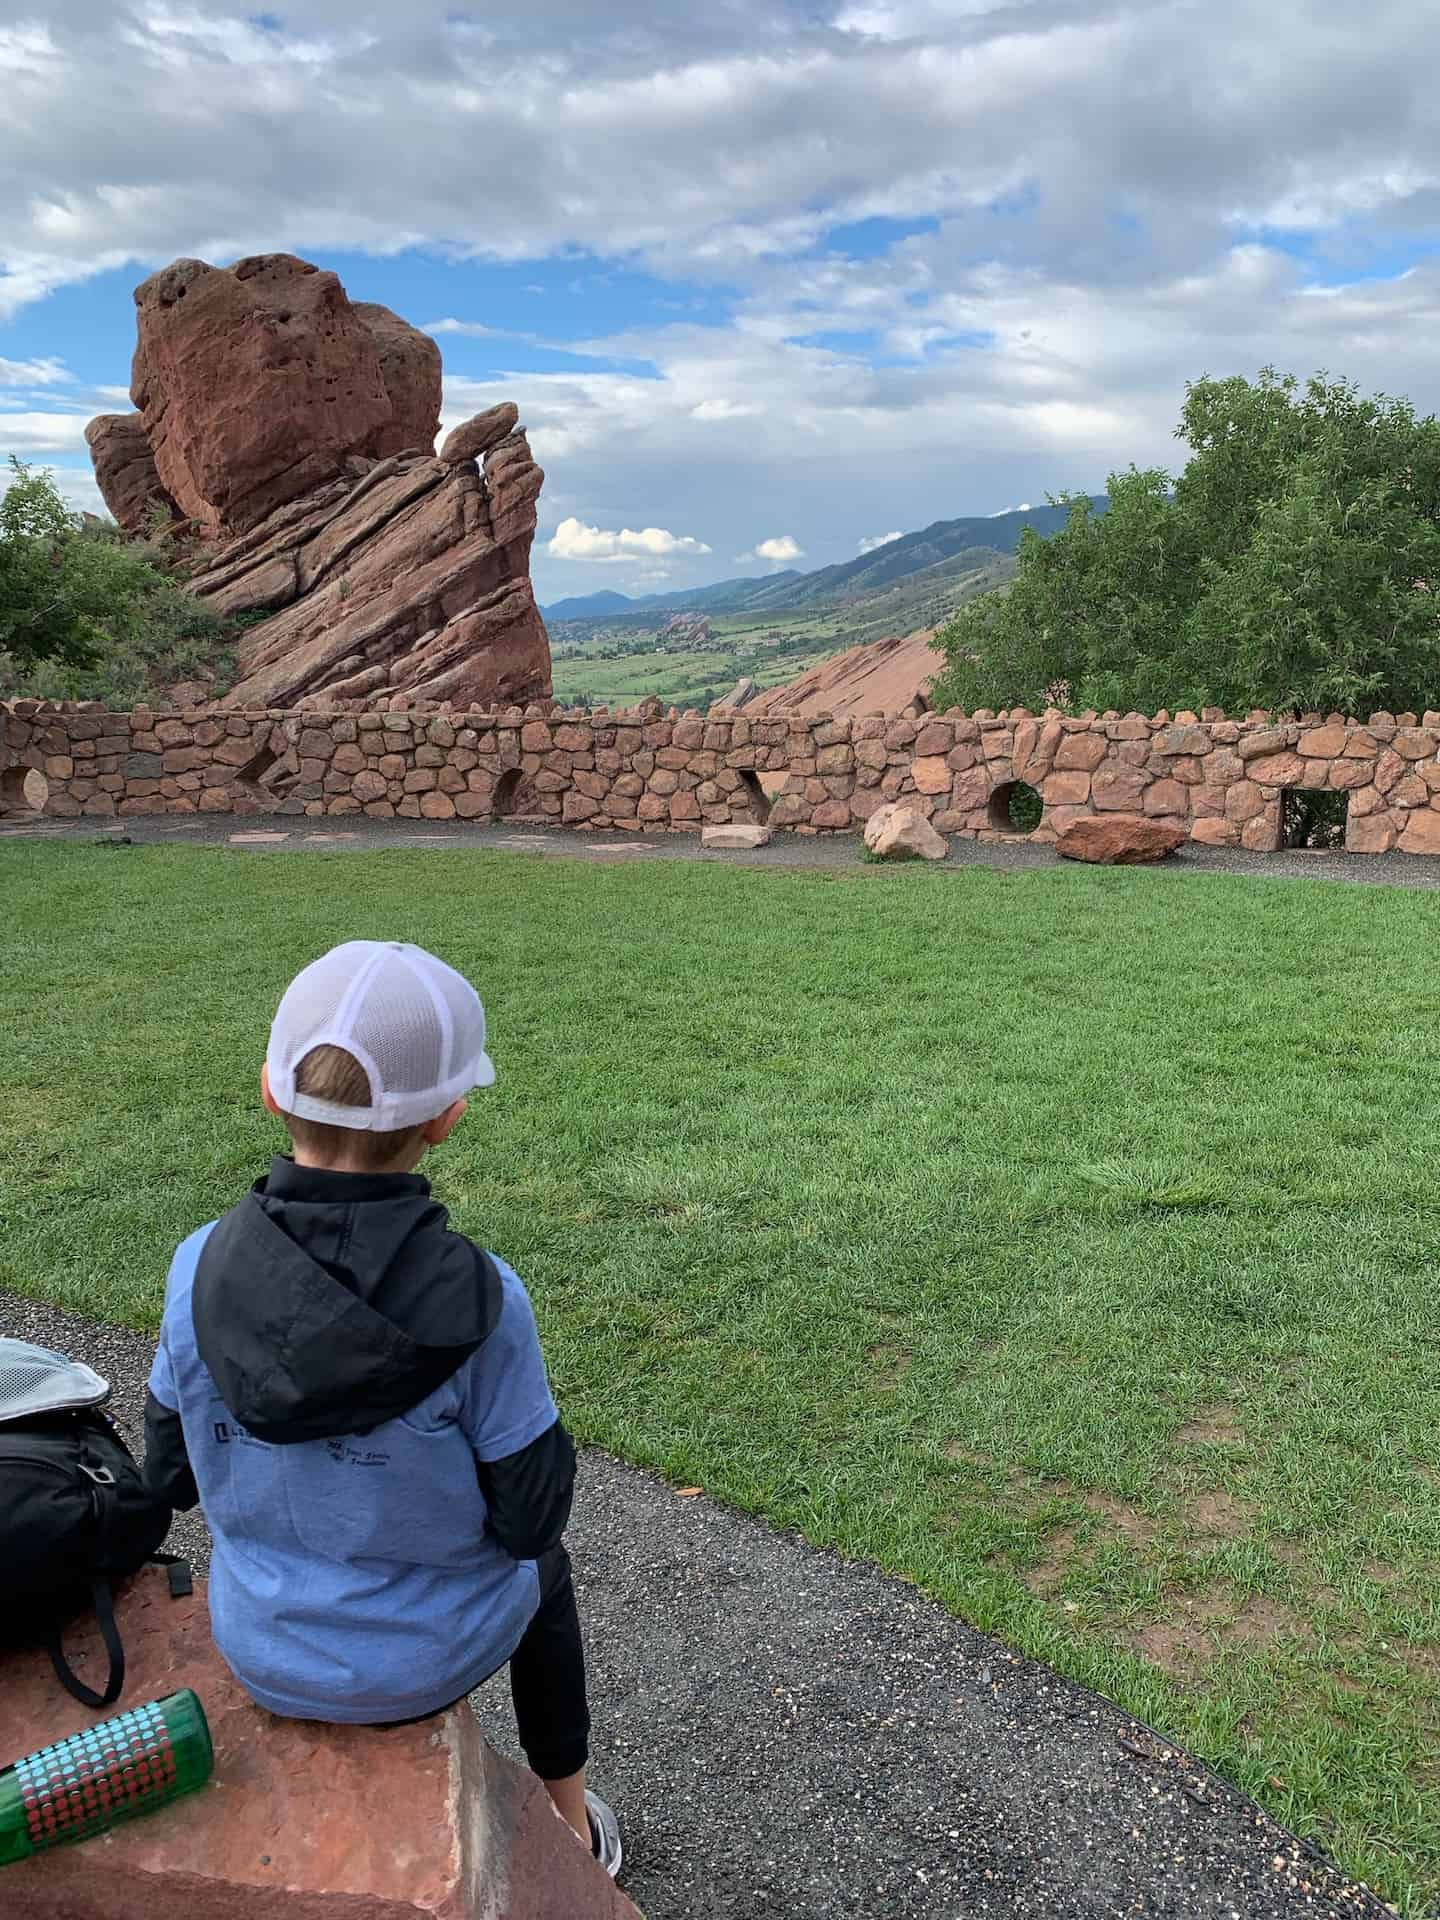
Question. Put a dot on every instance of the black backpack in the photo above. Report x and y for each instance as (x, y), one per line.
(74, 1512)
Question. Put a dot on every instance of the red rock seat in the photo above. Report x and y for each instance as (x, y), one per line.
(300, 1822)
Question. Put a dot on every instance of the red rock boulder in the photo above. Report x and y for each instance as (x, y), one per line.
(1119, 840)
(411, 372)
(125, 471)
(300, 1821)
(254, 382)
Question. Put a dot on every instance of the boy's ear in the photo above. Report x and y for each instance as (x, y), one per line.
(444, 1124)
(265, 1094)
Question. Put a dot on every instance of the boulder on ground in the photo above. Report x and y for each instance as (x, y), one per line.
(1119, 840)
(300, 1821)
(898, 832)
(736, 838)
(125, 471)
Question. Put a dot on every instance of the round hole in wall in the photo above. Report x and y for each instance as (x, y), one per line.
(1015, 808)
(23, 790)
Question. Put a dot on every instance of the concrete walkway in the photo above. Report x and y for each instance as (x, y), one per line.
(262, 834)
(789, 1734)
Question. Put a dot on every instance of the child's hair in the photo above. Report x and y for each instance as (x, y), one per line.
(329, 1073)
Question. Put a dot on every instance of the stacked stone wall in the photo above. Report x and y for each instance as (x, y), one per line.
(1222, 780)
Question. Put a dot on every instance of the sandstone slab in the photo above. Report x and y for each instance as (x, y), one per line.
(1119, 839)
(301, 1821)
(736, 838)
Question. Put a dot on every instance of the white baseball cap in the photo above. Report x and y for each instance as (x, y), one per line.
(415, 1025)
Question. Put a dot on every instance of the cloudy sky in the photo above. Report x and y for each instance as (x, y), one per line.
(769, 279)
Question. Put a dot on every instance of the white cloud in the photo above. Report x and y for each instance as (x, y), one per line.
(873, 540)
(27, 433)
(33, 373)
(573, 540)
(1025, 506)
(779, 552)
(471, 329)
(1080, 264)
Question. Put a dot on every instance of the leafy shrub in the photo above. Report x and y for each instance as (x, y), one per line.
(87, 613)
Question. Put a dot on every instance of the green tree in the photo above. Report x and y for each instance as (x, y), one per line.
(42, 617)
(86, 613)
(1294, 564)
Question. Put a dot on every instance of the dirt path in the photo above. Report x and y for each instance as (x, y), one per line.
(356, 834)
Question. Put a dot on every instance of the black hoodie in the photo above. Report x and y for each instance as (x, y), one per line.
(328, 1303)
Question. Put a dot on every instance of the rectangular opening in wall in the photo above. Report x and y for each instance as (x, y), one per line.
(1313, 818)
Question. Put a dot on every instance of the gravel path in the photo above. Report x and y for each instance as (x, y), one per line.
(788, 1733)
(356, 834)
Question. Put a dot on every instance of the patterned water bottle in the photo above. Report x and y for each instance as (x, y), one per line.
(119, 1768)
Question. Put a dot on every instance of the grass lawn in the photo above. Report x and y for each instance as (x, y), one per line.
(1065, 1240)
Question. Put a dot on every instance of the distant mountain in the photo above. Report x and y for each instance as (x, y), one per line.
(588, 606)
(947, 547)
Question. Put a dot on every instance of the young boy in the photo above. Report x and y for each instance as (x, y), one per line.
(356, 1396)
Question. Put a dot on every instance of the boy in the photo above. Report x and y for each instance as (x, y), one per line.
(356, 1396)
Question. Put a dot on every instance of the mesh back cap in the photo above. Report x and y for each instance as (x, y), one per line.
(415, 1025)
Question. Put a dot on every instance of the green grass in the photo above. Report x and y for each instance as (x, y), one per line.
(1066, 1240)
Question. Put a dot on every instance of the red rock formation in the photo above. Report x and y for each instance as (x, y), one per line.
(887, 676)
(295, 430)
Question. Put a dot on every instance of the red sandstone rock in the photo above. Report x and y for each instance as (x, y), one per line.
(285, 421)
(1420, 832)
(898, 832)
(736, 838)
(410, 372)
(254, 382)
(301, 1821)
(478, 435)
(887, 676)
(125, 471)
(1119, 839)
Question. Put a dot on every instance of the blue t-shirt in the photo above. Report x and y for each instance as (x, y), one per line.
(355, 1579)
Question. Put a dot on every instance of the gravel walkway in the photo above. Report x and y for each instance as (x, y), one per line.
(787, 1733)
(356, 834)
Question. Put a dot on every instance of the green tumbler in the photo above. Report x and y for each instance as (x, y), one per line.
(113, 1771)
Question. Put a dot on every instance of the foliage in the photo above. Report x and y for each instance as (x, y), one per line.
(1293, 565)
(86, 613)
(1087, 1296)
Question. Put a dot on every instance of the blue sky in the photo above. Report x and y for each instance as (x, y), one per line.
(766, 282)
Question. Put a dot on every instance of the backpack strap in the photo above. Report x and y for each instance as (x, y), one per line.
(102, 1499)
(104, 1605)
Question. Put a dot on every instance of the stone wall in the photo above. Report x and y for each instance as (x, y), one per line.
(646, 770)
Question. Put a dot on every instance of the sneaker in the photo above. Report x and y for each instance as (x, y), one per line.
(604, 1834)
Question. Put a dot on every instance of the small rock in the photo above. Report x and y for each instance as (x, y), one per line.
(736, 839)
(897, 832)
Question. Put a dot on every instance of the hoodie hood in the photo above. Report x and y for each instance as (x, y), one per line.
(328, 1303)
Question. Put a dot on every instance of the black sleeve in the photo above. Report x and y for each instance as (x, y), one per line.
(529, 1493)
(167, 1465)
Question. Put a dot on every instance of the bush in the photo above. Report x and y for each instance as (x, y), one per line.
(89, 614)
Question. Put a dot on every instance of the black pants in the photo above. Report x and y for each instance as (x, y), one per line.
(547, 1678)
